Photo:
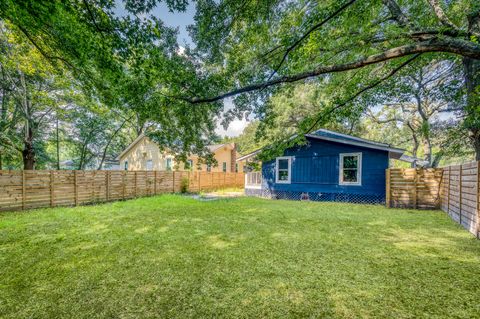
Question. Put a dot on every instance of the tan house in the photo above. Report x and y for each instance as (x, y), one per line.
(144, 154)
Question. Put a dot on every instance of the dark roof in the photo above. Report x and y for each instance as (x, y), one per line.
(332, 136)
(357, 141)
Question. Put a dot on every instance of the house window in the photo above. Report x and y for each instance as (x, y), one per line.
(283, 173)
(236, 167)
(209, 167)
(168, 164)
(149, 165)
(189, 165)
(350, 169)
(224, 167)
(125, 165)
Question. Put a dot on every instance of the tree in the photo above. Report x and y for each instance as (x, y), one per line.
(32, 92)
(262, 45)
(249, 50)
(416, 99)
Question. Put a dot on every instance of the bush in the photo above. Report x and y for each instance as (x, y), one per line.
(184, 185)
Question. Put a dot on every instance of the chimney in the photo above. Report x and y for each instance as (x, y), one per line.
(233, 158)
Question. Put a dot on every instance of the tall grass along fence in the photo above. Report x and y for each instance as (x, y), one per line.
(33, 189)
(453, 189)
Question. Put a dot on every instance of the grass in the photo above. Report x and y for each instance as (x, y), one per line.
(172, 256)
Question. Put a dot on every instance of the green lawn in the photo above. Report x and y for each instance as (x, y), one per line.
(171, 256)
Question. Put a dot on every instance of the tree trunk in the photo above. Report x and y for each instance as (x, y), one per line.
(1, 163)
(471, 69)
(414, 151)
(108, 144)
(415, 143)
(28, 154)
(427, 150)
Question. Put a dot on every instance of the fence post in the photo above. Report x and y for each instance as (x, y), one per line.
(123, 184)
(93, 185)
(75, 188)
(23, 189)
(52, 200)
(155, 182)
(460, 193)
(135, 185)
(478, 201)
(107, 186)
(199, 175)
(173, 181)
(415, 188)
(387, 190)
(448, 193)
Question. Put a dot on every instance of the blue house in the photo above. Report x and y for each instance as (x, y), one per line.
(330, 167)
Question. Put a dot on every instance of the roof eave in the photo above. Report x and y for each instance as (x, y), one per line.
(359, 144)
(129, 147)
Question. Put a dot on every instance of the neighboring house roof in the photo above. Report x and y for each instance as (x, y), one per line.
(412, 159)
(331, 136)
(212, 148)
(129, 147)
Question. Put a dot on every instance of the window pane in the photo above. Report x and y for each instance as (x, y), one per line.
(283, 175)
(350, 175)
(283, 164)
(350, 161)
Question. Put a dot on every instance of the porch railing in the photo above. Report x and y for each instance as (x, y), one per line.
(253, 180)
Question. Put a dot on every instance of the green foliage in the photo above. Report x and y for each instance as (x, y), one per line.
(184, 185)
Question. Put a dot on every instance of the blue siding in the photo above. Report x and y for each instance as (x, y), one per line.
(315, 168)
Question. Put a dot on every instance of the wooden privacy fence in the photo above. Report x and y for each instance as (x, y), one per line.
(33, 189)
(413, 187)
(460, 195)
(453, 189)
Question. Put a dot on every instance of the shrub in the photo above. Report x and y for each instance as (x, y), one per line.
(184, 185)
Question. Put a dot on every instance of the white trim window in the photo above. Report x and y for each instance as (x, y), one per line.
(283, 170)
(350, 169)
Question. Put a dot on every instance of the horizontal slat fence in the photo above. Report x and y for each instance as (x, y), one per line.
(454, 189)
(413, 187)
(34, 189)
(460, 195)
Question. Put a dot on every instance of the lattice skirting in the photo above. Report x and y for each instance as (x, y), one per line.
(316, 196)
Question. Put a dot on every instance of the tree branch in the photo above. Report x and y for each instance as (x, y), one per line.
(366, 88)
(460, 47)
(441, 14)
(42, 52)
(397, 13)
(307, 34)
(92, 17)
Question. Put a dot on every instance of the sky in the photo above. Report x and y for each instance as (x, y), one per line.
(181, 20)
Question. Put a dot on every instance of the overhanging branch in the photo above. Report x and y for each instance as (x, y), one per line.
(454, 46)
